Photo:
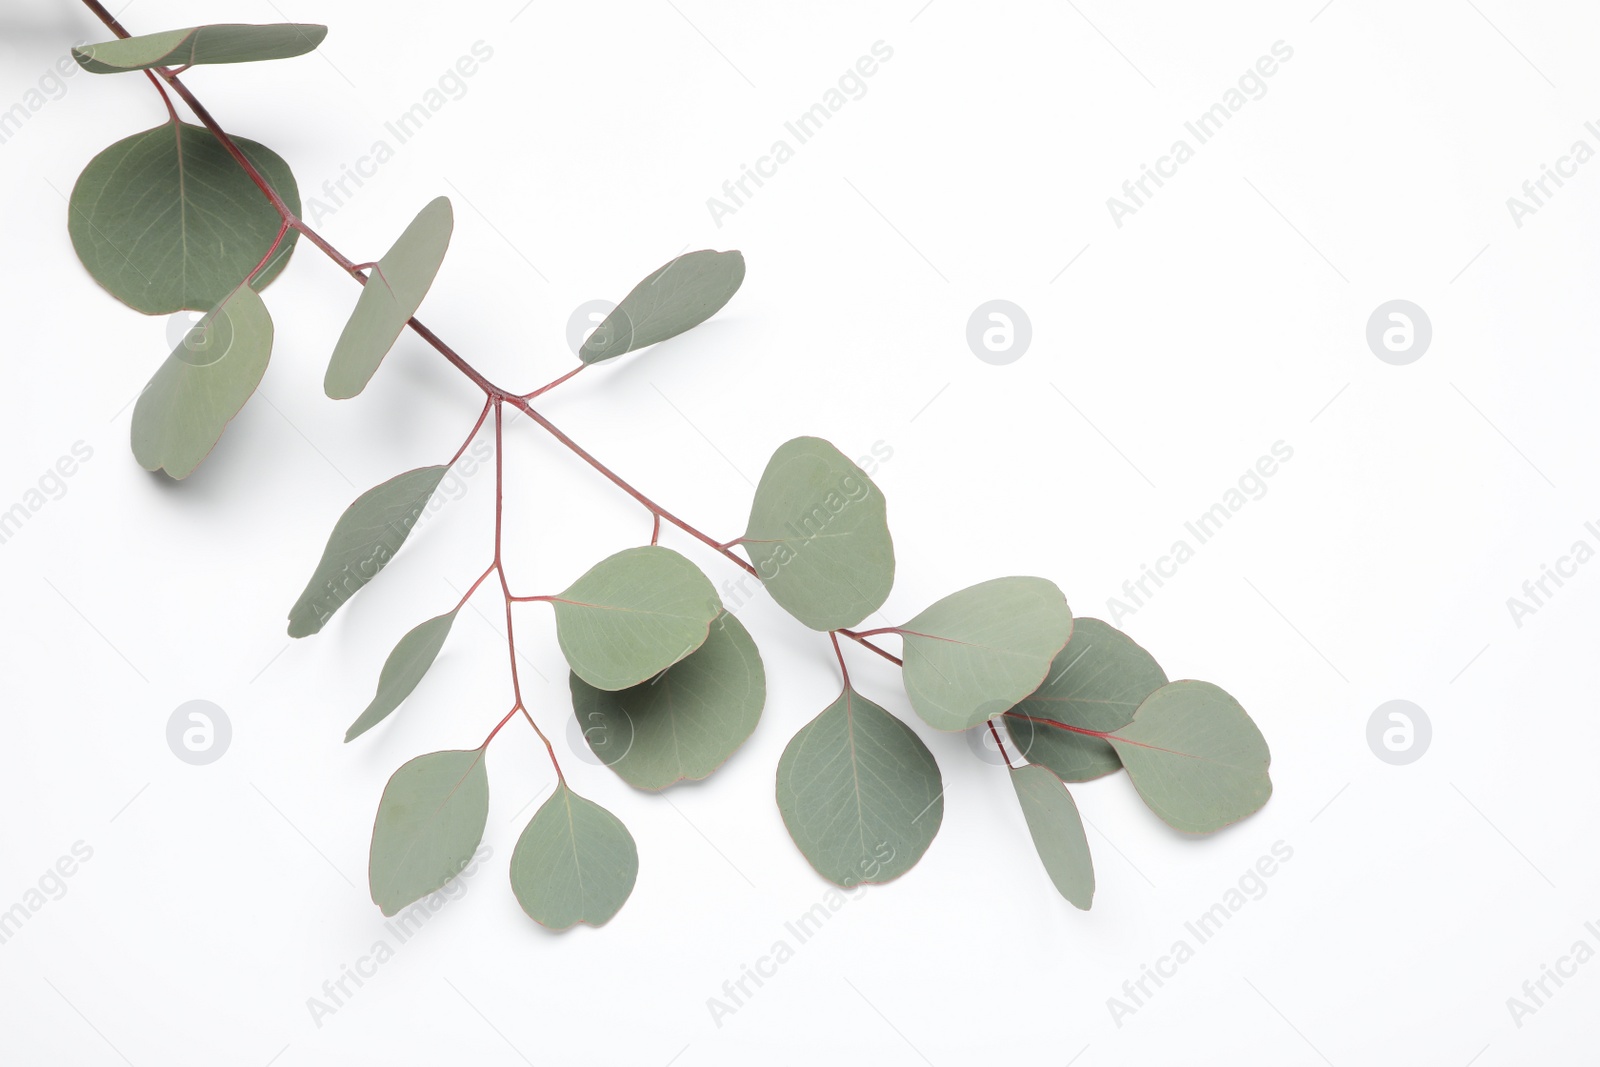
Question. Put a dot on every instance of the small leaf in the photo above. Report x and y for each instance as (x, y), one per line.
(429, 823)
(391, 296)
(819, 536)
(402, 671)
(860, 793)
(363, 541)
(575, 863)
(1057, 831)
(167, 221)
(633, 615)
(686, 721)
(1097, 682)
(222, 43)
(1195, 757)
(679, 296)
(978, 652)
(180, 415)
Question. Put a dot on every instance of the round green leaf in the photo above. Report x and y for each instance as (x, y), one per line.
(1096, 682)
(680, 295)
(860, 793)
(1195, 757)
(363, 541)
(402, 671)
(685, 722)
(633, 615)
(1057, 831)
(819, 536)
(390, 297)
(575, 863)
(429, 823)
(166, 220)
(978, 652)
(222, 43)
(181, 414)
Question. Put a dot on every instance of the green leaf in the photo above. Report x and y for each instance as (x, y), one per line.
(575, 863)
(818, 536)
(978, 652)
(1057, 831)
(633, 615)
(679, 296)
(429, 822)
(181, 414)
(403, 669)
(685, 722)
(166, 220)
(860, 793)
(363, 541)
(1097, 682)
(223, 43)
(391, 296)
(1195, 757)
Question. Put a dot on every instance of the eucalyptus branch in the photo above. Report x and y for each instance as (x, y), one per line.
(666, 678)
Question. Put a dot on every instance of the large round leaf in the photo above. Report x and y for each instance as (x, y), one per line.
(978, 652)
(166, 220)
(860, 793)
(1057, 831)
(1195, 757)
(198, 45)
(181, 414)
(363, 541)
(685, 722)
(429, 823)
(391, 296)
(1096, 682)
(819, 536)
(677, 296)
(633, 615)
(575, 863)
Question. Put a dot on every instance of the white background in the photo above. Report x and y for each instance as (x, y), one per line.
(1226, 315)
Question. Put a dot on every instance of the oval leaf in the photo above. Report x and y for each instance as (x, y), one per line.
(363, 541)
(402, 671)
(166, 220)
(685, 722)
(392, 294)
(978, 652)
(1195, 757)
(181, 414)
(633, 615)
(819, 536)
(575, 863)
(860, 793)
(429, 823)
(222, 43)
(679, 296)
(1057, 831)
(1097, 682)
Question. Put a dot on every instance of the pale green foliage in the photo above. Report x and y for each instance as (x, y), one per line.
(429, 822)
(1057, 831)
(686, 721)
(167, 221)
(860, 793)
(223, 43)
(202, 385)
(574, 863)
(403, 669)
(819, 537)
(677, 296)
